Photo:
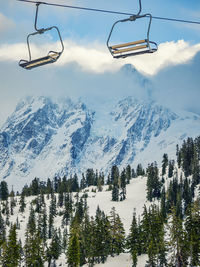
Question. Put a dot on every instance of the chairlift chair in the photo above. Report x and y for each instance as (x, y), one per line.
(51, 57)
(136, 47)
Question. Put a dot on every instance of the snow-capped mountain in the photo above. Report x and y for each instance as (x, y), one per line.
(41, 136)
(44, 138)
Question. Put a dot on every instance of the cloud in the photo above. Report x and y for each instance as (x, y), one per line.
(97, 59)
(178, 86)
(175, 86)
(168, 54)
(93, 59)
(5, 23)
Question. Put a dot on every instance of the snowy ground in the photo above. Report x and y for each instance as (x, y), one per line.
(123, 260)
(136, 198)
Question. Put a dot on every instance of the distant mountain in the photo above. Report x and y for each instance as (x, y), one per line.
(44, 138)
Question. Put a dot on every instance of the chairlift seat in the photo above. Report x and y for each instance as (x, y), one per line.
(131, 48)
(50, 58)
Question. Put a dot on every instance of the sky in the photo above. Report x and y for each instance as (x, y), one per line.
(86, 70)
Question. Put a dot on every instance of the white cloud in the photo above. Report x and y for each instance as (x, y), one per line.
(12, 52)
(97, 58)
(168, 54)
(5, 23)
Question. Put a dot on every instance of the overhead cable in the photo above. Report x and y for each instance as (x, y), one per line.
(108, 11)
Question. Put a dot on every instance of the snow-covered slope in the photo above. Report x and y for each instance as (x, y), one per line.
(44, 138)
(129, 128)
(136, 198)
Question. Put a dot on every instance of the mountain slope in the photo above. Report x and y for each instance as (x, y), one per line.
(44, 138)
(41, 134)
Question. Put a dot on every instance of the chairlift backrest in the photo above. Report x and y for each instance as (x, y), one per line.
(51, 57)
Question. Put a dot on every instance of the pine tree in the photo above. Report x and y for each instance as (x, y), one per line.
(75, 184)
(171, 168)
(123, 184)
(178, 207)
(100, 182)
(152, 236)
(67, 208)
(187, 195)
(44, 223)
(34, 249)
(102, 178)
(31, 221)
(109, 180)
(4, 190)
(12, 202)
(60, 198)
(163, 204)
(153, 183)
(156, 245)
(139, 170)
(87, 237)
(64, 240)
(132, 241)
(7, 211)
(115, 193)
(90, 176)
(187, 152)
(2, 230)
(54, 250)
(49, 189)
(35, 187)
(128, 174)
(144, 231)
(52, 214)
(164, 163)
(4, 258)
(17, 224)
(193, 233)
(38, 204)
(133, 173)
(117, 233)
(178, 156)
(11, 250)
(178, 241)
(22, 203)
(195, 167)
(79, 213)
(101, 239)
(115, 175)
(73, 251)
(83, 182)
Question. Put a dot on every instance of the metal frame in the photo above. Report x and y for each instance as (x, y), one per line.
(147, 41)
(24, 63)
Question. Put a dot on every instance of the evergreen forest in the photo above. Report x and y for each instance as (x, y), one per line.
(49, 220)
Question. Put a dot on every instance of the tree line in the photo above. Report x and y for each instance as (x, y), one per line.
(168, 232)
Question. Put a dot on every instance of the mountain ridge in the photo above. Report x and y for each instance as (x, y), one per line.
(44, 138)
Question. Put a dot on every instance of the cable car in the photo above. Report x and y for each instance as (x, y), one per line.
(51, 57)
(133, 48)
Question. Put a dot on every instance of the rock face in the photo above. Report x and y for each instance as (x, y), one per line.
(40, 130)
(43, 138)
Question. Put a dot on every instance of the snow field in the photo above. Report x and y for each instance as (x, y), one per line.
(136, 198)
